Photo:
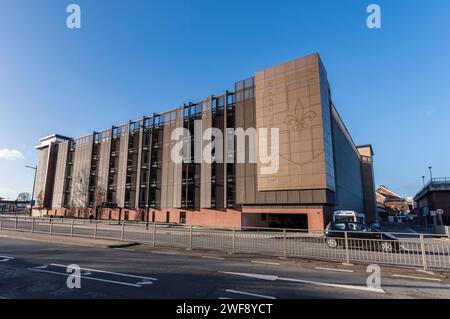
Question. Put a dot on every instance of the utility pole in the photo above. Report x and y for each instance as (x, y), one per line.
(32, 194)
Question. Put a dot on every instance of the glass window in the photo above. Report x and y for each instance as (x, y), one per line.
(358, 227)
(186, 112)
(230, 99)
(221, 102)
(338, 226)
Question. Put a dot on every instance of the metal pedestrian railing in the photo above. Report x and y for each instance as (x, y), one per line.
(413, 250)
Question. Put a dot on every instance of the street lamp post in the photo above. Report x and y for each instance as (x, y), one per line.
(32, 194)
(423, 181)
(431, 173)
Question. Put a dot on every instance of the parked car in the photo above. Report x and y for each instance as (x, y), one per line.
(360, 236)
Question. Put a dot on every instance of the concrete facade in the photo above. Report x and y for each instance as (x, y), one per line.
(127, 172)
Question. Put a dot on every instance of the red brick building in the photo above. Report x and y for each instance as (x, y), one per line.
(433, 197)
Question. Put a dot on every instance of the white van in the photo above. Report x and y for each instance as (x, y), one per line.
(349, 216)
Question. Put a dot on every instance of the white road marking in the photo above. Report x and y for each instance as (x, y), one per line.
(249, 294)
(41, 267)
(89, 278)
(412, 230)
(108, 272)
(224, 298)
(425, 271)
(256, 276)
(316, 283)
(265, 262)
(1, 297)
(418, 278)
(213, 257)
(332, 269)
(144, 283)
(379, 290)
(5, 258)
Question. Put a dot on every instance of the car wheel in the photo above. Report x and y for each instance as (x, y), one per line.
(332, 243)
(386, 247)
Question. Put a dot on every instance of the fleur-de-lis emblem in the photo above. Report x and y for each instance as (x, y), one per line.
(301, 121)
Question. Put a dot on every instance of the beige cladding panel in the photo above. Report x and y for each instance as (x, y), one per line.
(171, 172)
(102, 170)
(166, 167)
(138, 168)
(288, 98)
(80, 175)
(60, 175)
(122, 168)
(205, 174)
(41, 176)
(178, 168)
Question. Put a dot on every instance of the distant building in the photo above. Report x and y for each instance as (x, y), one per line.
(433, 197)
(391, 206)
(12, 206)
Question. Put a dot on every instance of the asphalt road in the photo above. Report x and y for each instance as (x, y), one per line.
(264, 243)
(38, 270)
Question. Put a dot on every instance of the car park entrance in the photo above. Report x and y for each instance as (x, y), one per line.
(292, 221)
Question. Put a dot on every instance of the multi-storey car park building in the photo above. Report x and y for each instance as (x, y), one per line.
(126, 172)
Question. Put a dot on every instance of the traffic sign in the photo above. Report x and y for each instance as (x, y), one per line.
(440, 211)
(433, 213)
(426, 211)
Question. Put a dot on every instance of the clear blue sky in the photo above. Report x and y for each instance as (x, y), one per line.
(133, 58)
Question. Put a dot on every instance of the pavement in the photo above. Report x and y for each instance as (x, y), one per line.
(38, 269)
(78, 241)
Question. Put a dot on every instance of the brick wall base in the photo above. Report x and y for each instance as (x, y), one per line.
(317, 217)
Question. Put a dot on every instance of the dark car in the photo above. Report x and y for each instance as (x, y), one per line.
(360, 236)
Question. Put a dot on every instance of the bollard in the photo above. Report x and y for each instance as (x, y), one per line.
(15, 223)
(32, 225)
(51, 226)
(284, 244)
(1, 222)
(123, 231)
(424, 256)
